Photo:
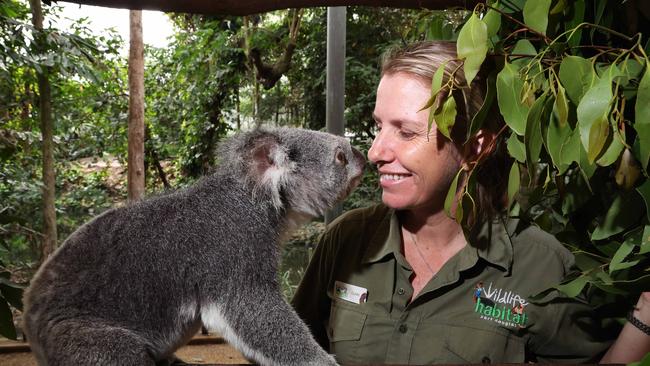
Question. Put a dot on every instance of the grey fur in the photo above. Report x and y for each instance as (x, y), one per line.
(136, 282)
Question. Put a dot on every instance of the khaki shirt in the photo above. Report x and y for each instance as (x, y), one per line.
(355, 298)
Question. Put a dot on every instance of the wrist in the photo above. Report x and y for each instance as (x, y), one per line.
(636, 322)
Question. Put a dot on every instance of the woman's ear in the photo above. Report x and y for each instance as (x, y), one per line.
(479, 145)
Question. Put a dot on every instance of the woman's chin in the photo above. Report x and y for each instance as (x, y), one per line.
(395, 202)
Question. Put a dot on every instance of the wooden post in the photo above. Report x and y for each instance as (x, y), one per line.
(136, 173)
(335, 100)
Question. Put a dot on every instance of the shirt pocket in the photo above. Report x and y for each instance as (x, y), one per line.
(344, 331)
(473, 345)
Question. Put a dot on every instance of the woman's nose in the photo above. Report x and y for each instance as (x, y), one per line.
(379, 151)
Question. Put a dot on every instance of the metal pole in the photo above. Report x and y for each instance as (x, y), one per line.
(334, 117)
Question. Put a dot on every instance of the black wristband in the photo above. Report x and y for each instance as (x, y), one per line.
(637, 323)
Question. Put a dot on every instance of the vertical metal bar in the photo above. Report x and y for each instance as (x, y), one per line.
(334, 114)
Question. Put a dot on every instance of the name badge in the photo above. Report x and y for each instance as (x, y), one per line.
(351, 293)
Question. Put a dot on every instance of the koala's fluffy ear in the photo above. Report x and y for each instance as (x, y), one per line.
(270, 164)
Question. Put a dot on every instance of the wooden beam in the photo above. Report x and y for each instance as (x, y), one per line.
(246, 7)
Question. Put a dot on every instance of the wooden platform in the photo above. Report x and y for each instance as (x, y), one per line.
(201, 350)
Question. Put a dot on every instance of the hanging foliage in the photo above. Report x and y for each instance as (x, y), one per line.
(573, 87)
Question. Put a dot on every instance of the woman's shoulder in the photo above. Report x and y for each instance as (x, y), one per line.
(374, 214)
(530, 241)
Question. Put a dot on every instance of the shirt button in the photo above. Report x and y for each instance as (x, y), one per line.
(400, 291)
(403, 328)
(486, 359)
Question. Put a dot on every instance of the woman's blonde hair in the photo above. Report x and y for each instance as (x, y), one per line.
(421, 60)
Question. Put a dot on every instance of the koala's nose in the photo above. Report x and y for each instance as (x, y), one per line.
(359, 159)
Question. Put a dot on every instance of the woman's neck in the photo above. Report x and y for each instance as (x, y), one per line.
(434, 231)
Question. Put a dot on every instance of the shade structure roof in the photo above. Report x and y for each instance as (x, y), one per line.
(246, 7)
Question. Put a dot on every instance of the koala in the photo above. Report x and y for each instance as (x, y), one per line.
(137, 282)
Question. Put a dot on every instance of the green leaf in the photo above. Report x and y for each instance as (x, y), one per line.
(599, 9)
(617, 261)
(644, 191)
(513, 182)
(446, 117)
(509, 88)
(436, 86)
(642, 106)
(645, 241)
(558, 138)
(523, 47)
(12, 292)
(7, 328)
(576, 16)
(516, 148)
(643, 138)
(559, 7)
(574, 287)
(587, 261)
(587, 167)
(632, 70)
(486, 107)
(533, 135)
(609, 288)
(492, 20)
(598, 134)
(536, 14)
(593, 113)
(623, 212)
(640, 238)
(436, 80)
(614, 150)
(451, 194)
(472, 46)
(561, 105)
(576, 75)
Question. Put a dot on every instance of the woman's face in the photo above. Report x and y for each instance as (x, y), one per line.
(415, 169)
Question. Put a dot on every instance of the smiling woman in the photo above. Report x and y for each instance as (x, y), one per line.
(430, 287)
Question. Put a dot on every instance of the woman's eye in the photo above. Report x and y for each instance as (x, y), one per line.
(406, 134)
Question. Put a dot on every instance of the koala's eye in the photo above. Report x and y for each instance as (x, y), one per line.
(340, 158)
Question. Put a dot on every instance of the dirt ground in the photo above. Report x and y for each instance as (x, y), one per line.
(202, 350)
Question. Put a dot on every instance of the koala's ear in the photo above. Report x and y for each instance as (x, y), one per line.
(270, 161)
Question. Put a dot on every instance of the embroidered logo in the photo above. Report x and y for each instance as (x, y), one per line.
(504, 307)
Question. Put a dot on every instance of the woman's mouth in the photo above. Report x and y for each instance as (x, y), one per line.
(392, 178)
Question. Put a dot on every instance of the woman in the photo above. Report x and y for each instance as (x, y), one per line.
(398, 283)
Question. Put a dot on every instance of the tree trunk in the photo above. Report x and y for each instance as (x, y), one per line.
(47, 132)
(136, 172)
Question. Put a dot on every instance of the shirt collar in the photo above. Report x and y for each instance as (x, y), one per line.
(386, 240)
(493, 243)
(498, 251)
